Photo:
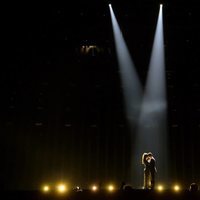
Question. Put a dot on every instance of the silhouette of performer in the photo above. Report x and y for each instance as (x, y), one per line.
(152, 168)
(146, 164)
(149, 163)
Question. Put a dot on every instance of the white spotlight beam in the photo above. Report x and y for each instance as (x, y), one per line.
(131, 84)
(130, 81)
(152, 129)
(156, 75)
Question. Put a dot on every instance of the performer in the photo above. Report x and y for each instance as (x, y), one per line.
(152, 169)
(146, 163)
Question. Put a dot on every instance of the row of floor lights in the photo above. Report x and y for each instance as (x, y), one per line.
(62, 188)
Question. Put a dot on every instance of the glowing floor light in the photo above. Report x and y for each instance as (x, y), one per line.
(110, 188)
(160, 188)
(46, 188)
(94, 188)
(61, 188)
(176, 188)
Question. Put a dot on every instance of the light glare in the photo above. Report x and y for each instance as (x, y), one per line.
(46, 188)
(110, 188)
(160, 188)
(176, 188)
(61, 188)
(94, 188)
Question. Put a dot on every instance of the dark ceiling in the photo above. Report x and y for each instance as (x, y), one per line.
(53, 21)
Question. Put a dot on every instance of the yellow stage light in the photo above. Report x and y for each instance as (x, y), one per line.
(94, 188)
(61, 188)
(176, 188)
(45, 188)
(111, 188)
(160, 188)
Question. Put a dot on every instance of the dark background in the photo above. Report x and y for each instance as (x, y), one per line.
(62, 112)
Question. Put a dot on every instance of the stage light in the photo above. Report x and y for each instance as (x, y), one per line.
(160, 188)
(132, 88)
(153, 116)
(111, 188)
(94, 188)
(176, 188)
(45, 188)
(61, 188)
(161, 5)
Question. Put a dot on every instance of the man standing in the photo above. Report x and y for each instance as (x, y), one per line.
(152, 168)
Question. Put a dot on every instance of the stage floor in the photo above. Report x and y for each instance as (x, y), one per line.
(102, 195)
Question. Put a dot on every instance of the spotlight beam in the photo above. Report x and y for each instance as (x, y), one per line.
(132, 88)
(130, 81)
(152, 134)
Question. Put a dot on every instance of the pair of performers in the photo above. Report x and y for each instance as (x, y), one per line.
(149, 163)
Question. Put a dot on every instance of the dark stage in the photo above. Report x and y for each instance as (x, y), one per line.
(66, 114)
(102, 195)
